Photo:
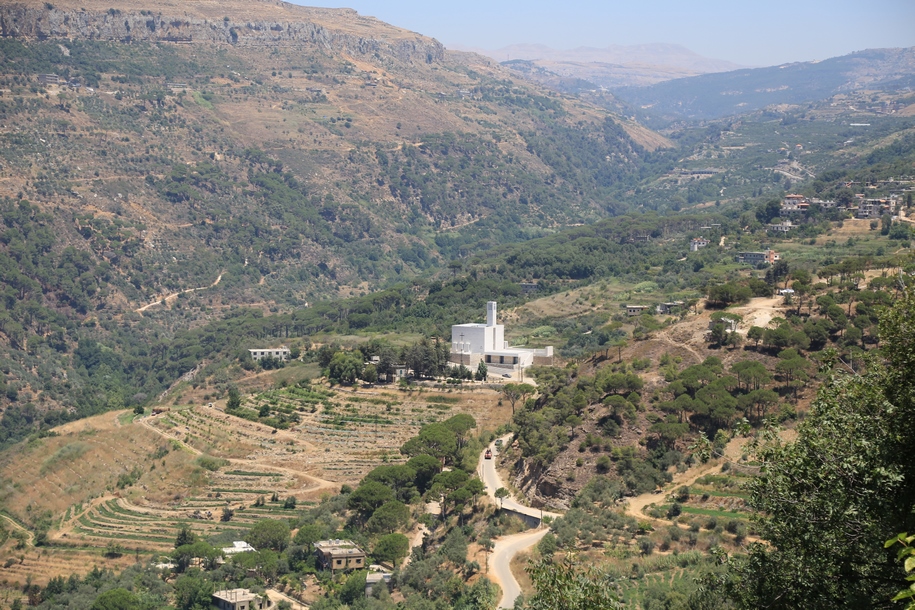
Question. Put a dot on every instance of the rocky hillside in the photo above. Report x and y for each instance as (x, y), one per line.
(160, 168)
(257, 23)
(285, 140)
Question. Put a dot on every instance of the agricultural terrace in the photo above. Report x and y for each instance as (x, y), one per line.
(337, 435)
(105, 490)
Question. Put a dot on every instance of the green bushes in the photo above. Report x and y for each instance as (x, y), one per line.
(130, 478)
(208, 462)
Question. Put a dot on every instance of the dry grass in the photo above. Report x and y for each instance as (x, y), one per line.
(518, 563)
(74, 476)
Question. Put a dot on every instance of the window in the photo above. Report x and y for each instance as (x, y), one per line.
(339, 562)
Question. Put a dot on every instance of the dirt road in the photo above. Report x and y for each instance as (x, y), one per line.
(174, 295)
(317, 483)
(636, 506)
(30, 537)
(276, 597)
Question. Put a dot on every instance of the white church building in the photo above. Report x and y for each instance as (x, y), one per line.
(472, 343)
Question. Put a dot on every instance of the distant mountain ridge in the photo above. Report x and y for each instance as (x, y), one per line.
(711, 96)
(611, 66)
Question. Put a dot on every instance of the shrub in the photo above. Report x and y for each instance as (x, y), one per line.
(603, 464)
(208, 462)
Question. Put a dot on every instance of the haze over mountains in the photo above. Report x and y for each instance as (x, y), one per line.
(611, 66)
(711, 96)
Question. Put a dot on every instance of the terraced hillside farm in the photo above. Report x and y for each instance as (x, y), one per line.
(334, 435)
(108, 489)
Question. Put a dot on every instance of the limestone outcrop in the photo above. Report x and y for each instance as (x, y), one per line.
(40, 23)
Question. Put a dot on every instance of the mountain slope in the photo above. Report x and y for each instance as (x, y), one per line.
(292, 154)
(372, 136)
(712, 96)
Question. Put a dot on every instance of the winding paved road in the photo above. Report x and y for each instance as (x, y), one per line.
(503, 553)
(508, 546)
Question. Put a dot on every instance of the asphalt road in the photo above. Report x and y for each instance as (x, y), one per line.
(503, 552)
(492, 480)
(508, 546)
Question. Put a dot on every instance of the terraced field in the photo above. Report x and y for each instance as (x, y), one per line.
(718, 496)
(648, 573)
(133, 482)
(154, 530)
(336, 436)
(89, 456)
(41, 564)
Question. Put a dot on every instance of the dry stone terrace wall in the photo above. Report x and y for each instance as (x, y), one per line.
(20, 21)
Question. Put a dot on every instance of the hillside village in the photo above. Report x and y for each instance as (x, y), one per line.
(302, 310)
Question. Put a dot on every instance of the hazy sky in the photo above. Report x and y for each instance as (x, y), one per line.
(748, 32)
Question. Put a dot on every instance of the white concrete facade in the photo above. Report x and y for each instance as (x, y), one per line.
(479, 338)
(473, 343)
(281, 353)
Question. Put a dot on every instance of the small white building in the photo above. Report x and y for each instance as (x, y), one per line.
(699, 242)
(373, 579)
(475, 342)
(239, 546)
(240, 599)
(781, 227)
(280, 353)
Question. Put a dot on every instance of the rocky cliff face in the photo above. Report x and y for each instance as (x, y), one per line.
(32, 22)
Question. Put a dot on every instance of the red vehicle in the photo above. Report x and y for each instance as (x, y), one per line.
(488, 454)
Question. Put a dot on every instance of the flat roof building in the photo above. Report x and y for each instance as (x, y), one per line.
(339, 555)
(240, 599)
(239, 546)
(781, 227)
(699, 242)
(476, 342)
(280, 353)
(636, 310)
(755, 258)
(669, 307)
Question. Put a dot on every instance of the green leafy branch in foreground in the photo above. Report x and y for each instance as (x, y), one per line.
(562, 586)
(907, 556)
